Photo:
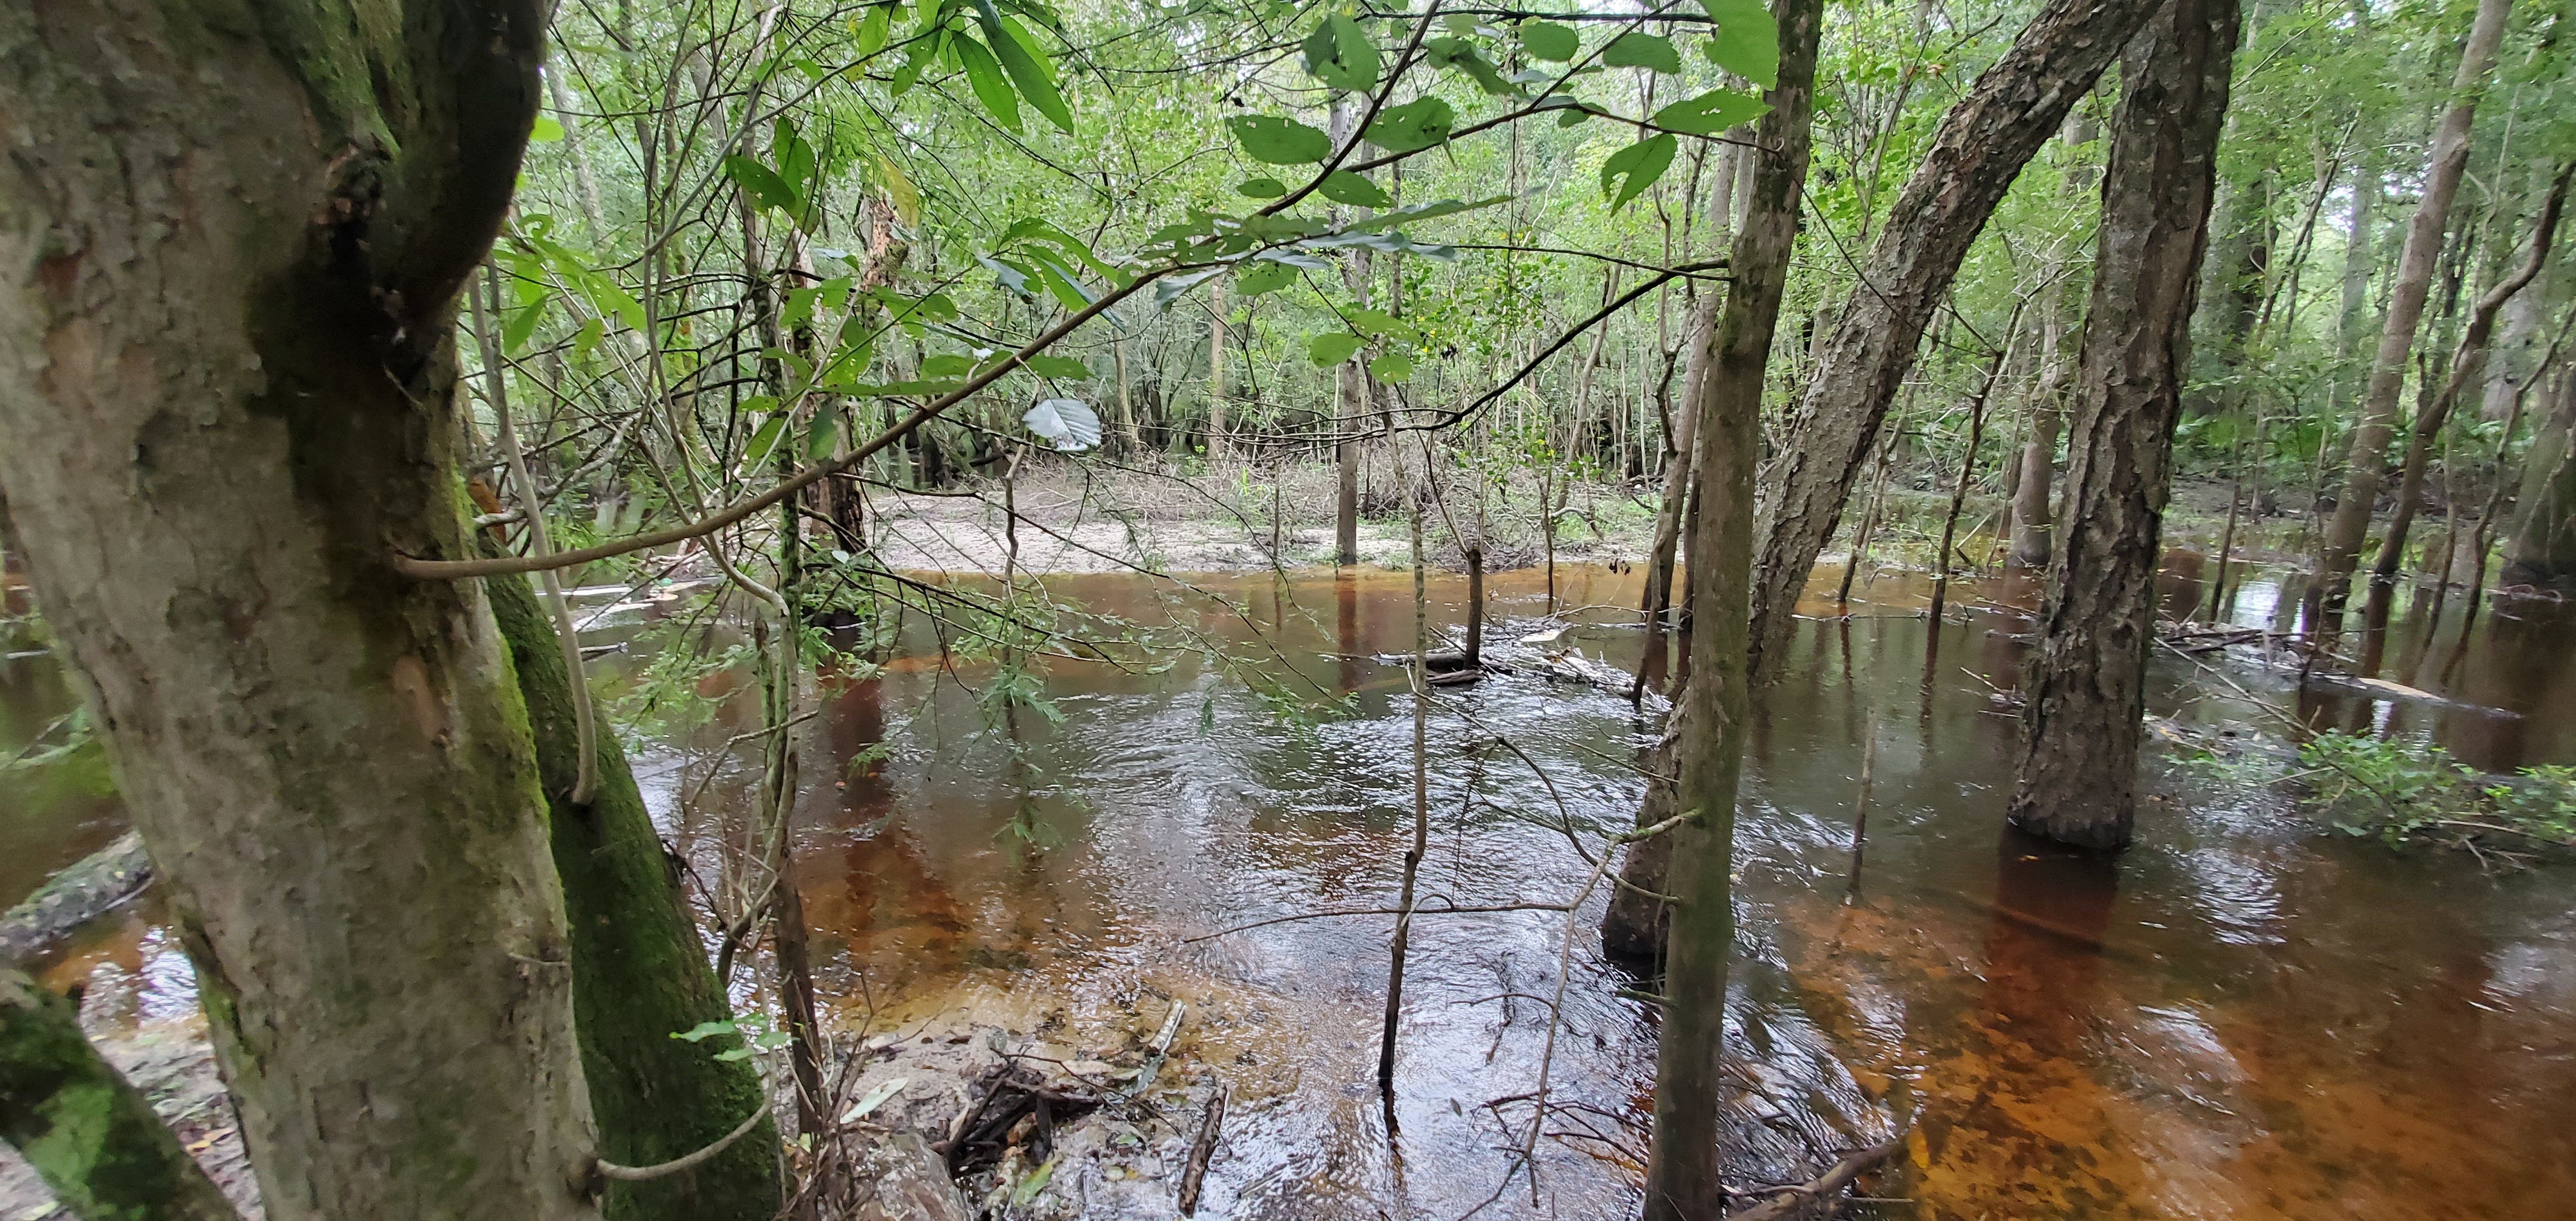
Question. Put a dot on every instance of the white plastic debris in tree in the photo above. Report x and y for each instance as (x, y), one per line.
(1072, 426)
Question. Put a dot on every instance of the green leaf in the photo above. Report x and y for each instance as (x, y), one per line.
(1417, 124)
(1643, 51)
(704, 1030)
(764, 442)
(984, 74)
(1340, 54)
(819, 439)
(1028, 69)
(1057, 366)
(870, 31)
(1572, 115)
(1639, 165)
(763, 184)
(1343, 186)
(587, 338)
(522, 325)
(1747, 41)
(1461, 54)
(1331, 348)
(1277, 141)
(1392, 367)
(1261, 188)
(1549, 41)
(546, 131)
(1711, 112)
(1263, 277)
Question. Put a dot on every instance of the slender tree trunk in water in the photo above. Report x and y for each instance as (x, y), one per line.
(2085, 682)
(1682, 1169)
(88, 1134)
(1677, 468)
(1869, 516)
(258, 405)
(1980, 148)
(1216, 372)
(1476, 600)
(1421, 820)
(2364, 471)
(1346, 460)
(2033, 506)
(640, 970)
(1967, 473)
(2541, 552)
(2468, 364)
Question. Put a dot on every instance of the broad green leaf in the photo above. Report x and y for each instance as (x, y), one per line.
(1643, 51)
(1340, 54)
(1549, 41)
(522, 324)
(586, 339)
(984, 75)
(762, 183)
(1028, 70)
(1343, 186)
(1711, 112)
(820, 438)
(1392, 367)
(875, 1098)
(1417, 124)
(1263, 277)
(704, 1030)
(1057, 366)
(1747, 40)
(1461, 54)
(1423, 211)
(546, 131)
(764, 442)
(946, 365)
(1261, 188)
(870, 31)
(1331, 348)
(1631, 170)
(1277, 141)
(1572, 115)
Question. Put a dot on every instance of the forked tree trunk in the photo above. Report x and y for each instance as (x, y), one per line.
(2034, 504)
(1981, 146)
(640, 970)
(2085, 680)
(235, 237)
(1682, 1169)
(2468, 364)
(2366, 469)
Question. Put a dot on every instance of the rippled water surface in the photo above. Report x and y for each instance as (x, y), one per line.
(2239, 1017)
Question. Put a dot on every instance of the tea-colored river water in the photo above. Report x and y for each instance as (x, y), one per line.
(2242, 1016)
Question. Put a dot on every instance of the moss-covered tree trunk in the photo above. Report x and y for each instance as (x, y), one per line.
(89, 1135)
(1682, 1182)
(2085, 688)
(1984, 140)
(233, 234)
(640, 972)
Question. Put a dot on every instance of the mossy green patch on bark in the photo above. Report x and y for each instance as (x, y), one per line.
(89, 1134)
(640, 972)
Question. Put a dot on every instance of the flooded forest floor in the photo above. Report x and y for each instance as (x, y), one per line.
(2247, 1014)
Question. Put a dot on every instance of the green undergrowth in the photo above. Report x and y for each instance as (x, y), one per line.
(2405, 790)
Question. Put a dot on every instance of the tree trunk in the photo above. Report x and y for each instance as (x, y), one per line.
(1658, 600)
(1682, 1169)
(88, 1134)
(640, 970)
(2364, 471)
(230, 348)
(2542, 549)
(2085, 683)
(2468, 363)
(1981, 146)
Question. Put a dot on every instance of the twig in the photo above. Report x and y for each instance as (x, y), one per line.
(1200, 1150)
(1789, 1200)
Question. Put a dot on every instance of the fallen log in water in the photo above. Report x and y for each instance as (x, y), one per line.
(1785, 1202)
(91, 887)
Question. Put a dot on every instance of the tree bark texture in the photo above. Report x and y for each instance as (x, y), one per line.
(640, 971)
(2366, 469)
(2084, 687)
(233, 236)
(1682, 1169)
(1983, 142)
(90, 1135)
